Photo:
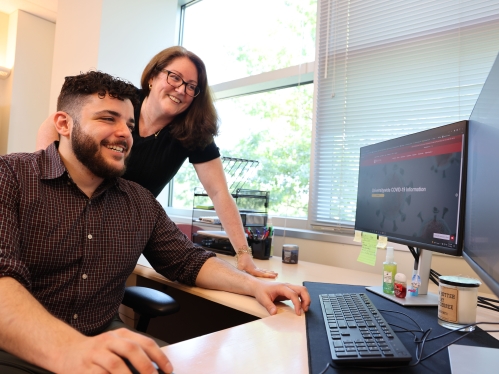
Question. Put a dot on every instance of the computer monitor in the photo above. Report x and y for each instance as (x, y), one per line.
(481, 236)
(412, 190)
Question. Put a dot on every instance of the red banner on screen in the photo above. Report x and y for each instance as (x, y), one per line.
(427, 149)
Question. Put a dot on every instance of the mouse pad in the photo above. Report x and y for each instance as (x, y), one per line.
(318, 347)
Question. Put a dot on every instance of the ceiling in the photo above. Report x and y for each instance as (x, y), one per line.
(46, 9)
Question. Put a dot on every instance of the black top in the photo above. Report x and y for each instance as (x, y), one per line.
(154, 161)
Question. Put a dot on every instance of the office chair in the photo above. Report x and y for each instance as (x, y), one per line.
(148, 303)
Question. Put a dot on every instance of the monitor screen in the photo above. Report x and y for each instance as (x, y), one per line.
(481, 240)
(411, 189)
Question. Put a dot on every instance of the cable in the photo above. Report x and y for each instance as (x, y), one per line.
(327, 367)
(408, 316)
(415, 253)
(485, 302)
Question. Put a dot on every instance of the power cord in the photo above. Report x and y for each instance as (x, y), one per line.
(485, 302)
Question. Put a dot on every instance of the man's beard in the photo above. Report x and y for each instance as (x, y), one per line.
(87, 152)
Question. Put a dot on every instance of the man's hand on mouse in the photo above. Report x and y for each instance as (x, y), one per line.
(105, 353)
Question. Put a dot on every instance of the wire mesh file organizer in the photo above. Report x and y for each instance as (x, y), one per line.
(238, 171)
(252, 205)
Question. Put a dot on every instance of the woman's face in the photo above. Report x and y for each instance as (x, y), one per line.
(172, 101)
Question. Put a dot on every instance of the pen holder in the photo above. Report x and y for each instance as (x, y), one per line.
(260, 248)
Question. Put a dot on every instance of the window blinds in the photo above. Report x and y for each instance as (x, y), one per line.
(386, 69)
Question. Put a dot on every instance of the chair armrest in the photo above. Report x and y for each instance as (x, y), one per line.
(149, 302)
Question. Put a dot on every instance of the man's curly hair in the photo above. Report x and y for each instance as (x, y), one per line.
(78, 88)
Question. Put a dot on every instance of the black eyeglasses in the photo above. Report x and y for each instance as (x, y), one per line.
(175, 81)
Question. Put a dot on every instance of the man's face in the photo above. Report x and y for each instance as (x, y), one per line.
(102, 139)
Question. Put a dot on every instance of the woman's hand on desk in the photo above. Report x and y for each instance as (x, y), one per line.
(269, 292)
(245, 263)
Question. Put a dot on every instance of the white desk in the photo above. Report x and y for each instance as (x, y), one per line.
(274, 344)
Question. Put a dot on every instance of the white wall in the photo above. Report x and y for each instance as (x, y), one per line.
(30, 48)
(117, 37)
(5, 84)
(133, 34)
(4, 28)
(77, 36)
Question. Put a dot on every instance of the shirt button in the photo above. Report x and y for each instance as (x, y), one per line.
(75, 316)
(84, 276)
(89, 236)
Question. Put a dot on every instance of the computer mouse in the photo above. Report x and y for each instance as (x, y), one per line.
(135, 371)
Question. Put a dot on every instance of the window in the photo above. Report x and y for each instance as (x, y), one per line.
(385, 69)
(258, 56)
(240, 38)
(275, 129)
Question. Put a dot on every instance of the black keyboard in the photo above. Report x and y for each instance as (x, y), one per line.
(358, 334)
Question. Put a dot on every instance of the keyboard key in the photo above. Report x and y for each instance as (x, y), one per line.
(369, 354)
(346, 354)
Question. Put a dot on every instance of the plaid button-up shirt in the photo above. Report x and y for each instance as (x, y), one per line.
(74, 253)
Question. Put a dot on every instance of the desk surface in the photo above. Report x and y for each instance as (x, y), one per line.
(274, 344)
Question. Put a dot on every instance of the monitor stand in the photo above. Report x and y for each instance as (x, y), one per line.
(424, 298)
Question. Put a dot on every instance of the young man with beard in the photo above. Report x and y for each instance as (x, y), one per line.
(71, 232)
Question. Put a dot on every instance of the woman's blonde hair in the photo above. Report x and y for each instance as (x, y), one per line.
(198, 124)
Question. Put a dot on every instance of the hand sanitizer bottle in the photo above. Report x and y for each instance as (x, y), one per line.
(389, 271)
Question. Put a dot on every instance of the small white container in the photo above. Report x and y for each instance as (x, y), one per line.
(457, 302)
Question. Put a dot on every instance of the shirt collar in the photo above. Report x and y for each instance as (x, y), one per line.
(52, 165)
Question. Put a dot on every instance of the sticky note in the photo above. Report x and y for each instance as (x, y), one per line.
(382, 241)
(368, 251)
(358, 236)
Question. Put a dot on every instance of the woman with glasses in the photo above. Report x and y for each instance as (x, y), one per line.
(175, 121)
